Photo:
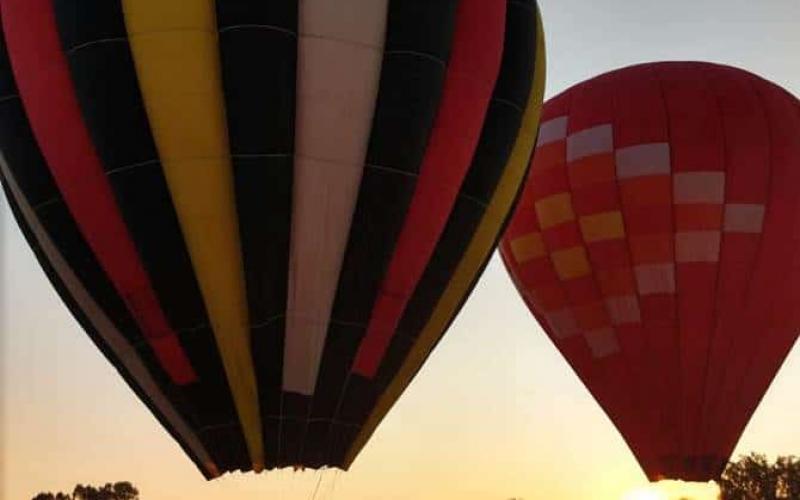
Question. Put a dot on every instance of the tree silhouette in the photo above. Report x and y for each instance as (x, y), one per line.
(753, 477)
(117, 491)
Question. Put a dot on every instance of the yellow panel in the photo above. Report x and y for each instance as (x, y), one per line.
(571, 263)
(476, 254)
(603, 226)
(527, 247)
(554, 210)
(175, 50)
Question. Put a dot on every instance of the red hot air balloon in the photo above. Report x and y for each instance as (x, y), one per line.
(657, 242)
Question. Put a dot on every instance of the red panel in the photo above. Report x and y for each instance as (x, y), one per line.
(46, 90)
(469, 84)
(773, 293)
(641, 118)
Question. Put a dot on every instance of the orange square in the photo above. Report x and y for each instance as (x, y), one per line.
(554, 210)
(527, 247)
(591, 316)
(698, 216)
(652, 248)
(549, 155)
(602, 226)
(592, 170)
(571, 263)
(619, 281)
(649, 190)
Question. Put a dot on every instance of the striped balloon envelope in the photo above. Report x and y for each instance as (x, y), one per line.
(267, 213)
(657, 242)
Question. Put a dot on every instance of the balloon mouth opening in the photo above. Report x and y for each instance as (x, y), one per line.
(672, 489)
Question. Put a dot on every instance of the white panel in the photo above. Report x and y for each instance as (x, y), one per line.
(124, 352)
(592, 141)
(339, 63)
(643, 160)
(699, 187)
(552, 131)
(744, 218)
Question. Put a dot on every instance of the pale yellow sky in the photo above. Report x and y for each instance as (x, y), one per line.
(496, 413)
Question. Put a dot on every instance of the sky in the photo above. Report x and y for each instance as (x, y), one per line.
(494, 414)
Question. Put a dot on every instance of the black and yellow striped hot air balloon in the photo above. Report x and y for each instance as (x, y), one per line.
(267, 213)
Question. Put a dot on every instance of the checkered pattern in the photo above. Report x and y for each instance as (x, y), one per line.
(602, 232)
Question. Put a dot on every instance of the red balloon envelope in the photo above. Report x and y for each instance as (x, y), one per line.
(657, 242)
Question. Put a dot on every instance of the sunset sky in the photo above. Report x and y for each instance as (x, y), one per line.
(494, 414)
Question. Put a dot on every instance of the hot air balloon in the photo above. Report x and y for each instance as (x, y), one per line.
(657, 242)
(267, 213)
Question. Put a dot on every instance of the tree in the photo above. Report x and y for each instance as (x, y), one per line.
(117, 491)
(753, 477)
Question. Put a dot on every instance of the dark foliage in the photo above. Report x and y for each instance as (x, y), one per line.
(753, 477)
(117, 491)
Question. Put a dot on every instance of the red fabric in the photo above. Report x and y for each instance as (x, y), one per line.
(471, 74)
(45, 86)
(691, 370)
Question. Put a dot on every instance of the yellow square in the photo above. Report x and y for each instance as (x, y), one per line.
(571, 263)
(602, 226)
(554, 210)
(527, 247)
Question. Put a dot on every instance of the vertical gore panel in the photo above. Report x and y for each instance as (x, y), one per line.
(258, 46)
(411, 82)
(176, 55)
(469, 82)
(480, 246)
(339, 64)
(47, 92)
(697, 149)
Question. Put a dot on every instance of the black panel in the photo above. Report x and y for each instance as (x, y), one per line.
(94, 39)
(258, 49)
(418, 39)
(408, 99)
(423, 26)
(267, 346)
(240, 13)
(498, 136)
(497, 140)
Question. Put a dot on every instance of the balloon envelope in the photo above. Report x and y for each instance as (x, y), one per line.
(657, 242)
(266, 214)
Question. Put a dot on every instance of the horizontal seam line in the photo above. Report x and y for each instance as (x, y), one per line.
(508, 103)
(269, 27)
(391, 170)
(132, 166)
(473, 199)
(45, 203)
(100, 41)
(9, 97)
(421, 55)
(376, 48)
